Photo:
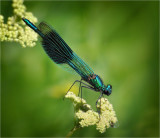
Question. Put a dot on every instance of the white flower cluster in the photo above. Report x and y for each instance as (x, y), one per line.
(15, 29)
(107, 117)
(86, 116)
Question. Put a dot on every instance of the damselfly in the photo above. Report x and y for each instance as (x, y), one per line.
(61, 54)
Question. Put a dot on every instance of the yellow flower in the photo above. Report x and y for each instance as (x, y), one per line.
(86, 116)
(15, 29)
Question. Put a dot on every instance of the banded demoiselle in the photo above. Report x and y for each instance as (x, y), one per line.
(57, 49)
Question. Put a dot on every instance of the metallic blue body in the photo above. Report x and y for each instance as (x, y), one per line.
(96, 82)
(31, 25)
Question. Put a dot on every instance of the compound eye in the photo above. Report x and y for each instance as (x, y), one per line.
(109, 86)
(109, 89)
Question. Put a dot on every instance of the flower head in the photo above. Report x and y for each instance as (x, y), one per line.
(14, 29)
(86, 116)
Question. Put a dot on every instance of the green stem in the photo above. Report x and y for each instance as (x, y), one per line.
(72, 131)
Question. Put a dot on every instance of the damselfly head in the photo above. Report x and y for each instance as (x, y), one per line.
(108, 90)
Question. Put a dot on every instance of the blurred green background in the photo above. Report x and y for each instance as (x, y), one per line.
(118, 40)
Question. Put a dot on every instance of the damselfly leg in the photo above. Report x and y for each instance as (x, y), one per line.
(80, 81)
(99, 110)
(80, 88)
(88, 87)
(99, 98)
(71, 87)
